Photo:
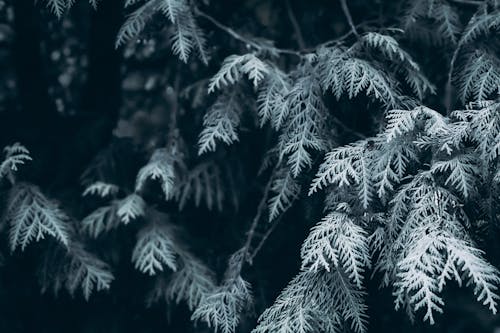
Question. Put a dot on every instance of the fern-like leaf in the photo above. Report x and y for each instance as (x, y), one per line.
(348, 166)
(192, 282)
(221, 309)
(479, 76)
(207, 183)
(15, 155)
(220, 123)
(161, 166)
(234, 67)
(101, 189)
(32, 217)
(136, 22)
(155, 248)
(303, 129)
(285, 189)
(99, 221)
(462, 171)
(337, 243)
(130, 208)
(58, 7)
(271, 100)
(87, 272)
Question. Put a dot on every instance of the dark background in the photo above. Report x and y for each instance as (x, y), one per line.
(63, 91)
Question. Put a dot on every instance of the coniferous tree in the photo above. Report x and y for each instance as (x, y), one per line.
(231, 140)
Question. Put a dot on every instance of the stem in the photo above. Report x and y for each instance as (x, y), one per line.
(449, 87)
(263, 240)
(241, 38)
(255, 222)
(296, 27)
(348, 16)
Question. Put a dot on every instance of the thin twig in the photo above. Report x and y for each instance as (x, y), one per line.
(449, 87)
(263, 240)
(255, 222)
(241, 38)
(296, 26)
(256, 219)
(341, 38)
(348, 16)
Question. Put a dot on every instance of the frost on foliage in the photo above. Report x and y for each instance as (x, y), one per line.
(482, 125)
(109, 217)
(401, 123)
(191, 283)
(207, 183)
(316, 302)
(337, 242)
(427, 245)
(272, 98)
(101, 189)
(220, 123)
(360, 70)
(99, 221)
(221, 309)
(136, 22)
(155, 249)
(161, 167)
(234, 67)
(462, 170)
(186, 36)
(285, 189)
(74, 269)
(348, 166)
(344, 73)
(223, 306)
(392, 164)
(59, 7)
(389, 47)
(130, 208)
(303, 126)
(32, 217)
(434, 257)
(404, 63)
(422, 241)
(479, 76)
(481, 23)
(15, 155)
(445, 26)
(86, 272)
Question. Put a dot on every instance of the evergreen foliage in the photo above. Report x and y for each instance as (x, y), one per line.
(391, 159)
(32, 217)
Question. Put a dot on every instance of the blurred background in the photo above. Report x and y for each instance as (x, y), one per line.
(76, 101)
